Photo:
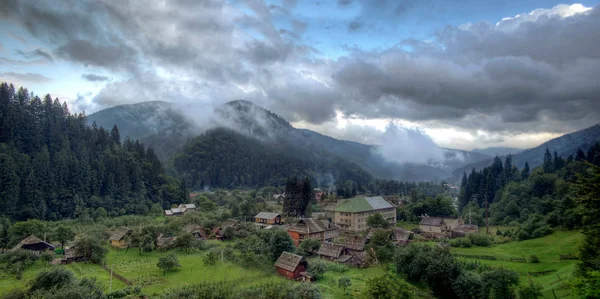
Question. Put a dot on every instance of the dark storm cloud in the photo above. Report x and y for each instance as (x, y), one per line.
(36, 53)
(514, 75)
(94, 77)
(534, 72)
(25, 77)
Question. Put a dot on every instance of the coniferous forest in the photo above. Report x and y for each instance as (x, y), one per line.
(52, 165)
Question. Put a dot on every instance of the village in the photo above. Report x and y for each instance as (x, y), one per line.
(342, 233)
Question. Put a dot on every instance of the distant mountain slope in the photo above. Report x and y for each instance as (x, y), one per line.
(564, 146)
(164, 127)
(497, 151)
(138, 120)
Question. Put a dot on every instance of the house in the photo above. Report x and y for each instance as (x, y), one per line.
(164, 242)
(217, 233)
(332, 251)
(400, 236)
(318, 196)
(323, 230)
(180, 210)
(291, 265)
(438, 224)
(354, 243)
(34, 243)
(268, 218)
(196, 230)
(464, 230)
(352, 214)
(117, 238)
(71, 256)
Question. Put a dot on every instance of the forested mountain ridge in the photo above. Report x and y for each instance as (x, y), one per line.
(564, 146)
(56, 166)
(254, 121)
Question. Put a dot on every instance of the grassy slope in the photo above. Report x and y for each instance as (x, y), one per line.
(547, 249)
(142, 270)
(329, 282)
(9, 282)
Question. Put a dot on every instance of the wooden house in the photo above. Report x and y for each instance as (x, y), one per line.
(464, 230)
(291, 265)
(438, 224)
(180, 210)
(34, 243)
(353, 242)
(197, 231)
(117, 238)
(323, 230)
(332, 251)
(400, 236)
(164, 242)
(72, 256)
(268, 218)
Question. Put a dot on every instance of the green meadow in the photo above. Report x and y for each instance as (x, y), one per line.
(547, 249)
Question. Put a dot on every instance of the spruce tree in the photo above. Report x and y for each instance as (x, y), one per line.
(548, 166)
(525, 172)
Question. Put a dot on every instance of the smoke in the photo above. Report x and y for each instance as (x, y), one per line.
(408, 145)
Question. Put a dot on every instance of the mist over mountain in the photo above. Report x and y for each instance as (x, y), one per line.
(497, 151)
(564, 146)
(404, 154)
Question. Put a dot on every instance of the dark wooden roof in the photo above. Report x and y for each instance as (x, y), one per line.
(289, 261)
(311, 226)
(353, 242)
(400, 234)
(120, 233)
(195, 229)
(267, 215)
(330, 250)
(31, 242)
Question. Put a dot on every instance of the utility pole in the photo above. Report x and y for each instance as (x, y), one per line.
(221, 255)
(111, 279)
(470, 217)
(487, 226)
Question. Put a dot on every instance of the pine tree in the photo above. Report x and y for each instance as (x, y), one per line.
(580, 155)
(525, 172)
(508, 170)
(547, 166)
(115, 136)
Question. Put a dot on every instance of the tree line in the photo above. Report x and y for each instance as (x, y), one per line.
(55, 166)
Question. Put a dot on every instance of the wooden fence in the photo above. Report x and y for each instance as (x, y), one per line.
(117, 275)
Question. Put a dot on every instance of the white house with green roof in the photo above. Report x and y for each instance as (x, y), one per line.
(351, 214)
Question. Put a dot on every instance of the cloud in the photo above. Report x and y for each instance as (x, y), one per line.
(24, 77)
(528, 73)
(408, 145)
(36, 53)
(94, 77)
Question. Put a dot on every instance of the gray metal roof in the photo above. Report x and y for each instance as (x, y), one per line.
(266, 215)
(378, 202)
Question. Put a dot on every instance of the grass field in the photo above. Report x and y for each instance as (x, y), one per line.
(9, 282)
(547, 249)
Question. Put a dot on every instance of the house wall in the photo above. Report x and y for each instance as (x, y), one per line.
(292, 275)
(295, 237)
(450, 224)
(276, 220)
(430, 228)
(118, 244)
(358, 221)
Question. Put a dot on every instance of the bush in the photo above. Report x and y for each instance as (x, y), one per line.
(52, 278)
(534, 259)
(461, 242)
(337, 267)
(317, 268)
(480, 240)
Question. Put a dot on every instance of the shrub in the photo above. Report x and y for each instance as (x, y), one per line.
(52, 278)
(480, 239)
(337, 267)
(534, 259)
(317, 268)
(461, 242)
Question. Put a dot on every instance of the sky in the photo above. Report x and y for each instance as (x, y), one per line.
(466, 74)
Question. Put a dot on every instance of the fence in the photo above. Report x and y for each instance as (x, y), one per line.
(118, 276)
(492, 258)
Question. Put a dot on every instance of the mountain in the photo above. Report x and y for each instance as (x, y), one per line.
(165, 127)
(564, 146)
(497, 151)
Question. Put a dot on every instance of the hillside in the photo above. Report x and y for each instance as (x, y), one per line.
(497, 151)
(564, 146)
(168, 127)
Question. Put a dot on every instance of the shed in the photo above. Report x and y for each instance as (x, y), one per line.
(164, 242)
(72, 255)
(291, 265)
(400, 235)
(34, 243)
(117, 238)
(196, 230)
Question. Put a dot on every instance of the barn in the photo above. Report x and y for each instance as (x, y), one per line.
(291, 265)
